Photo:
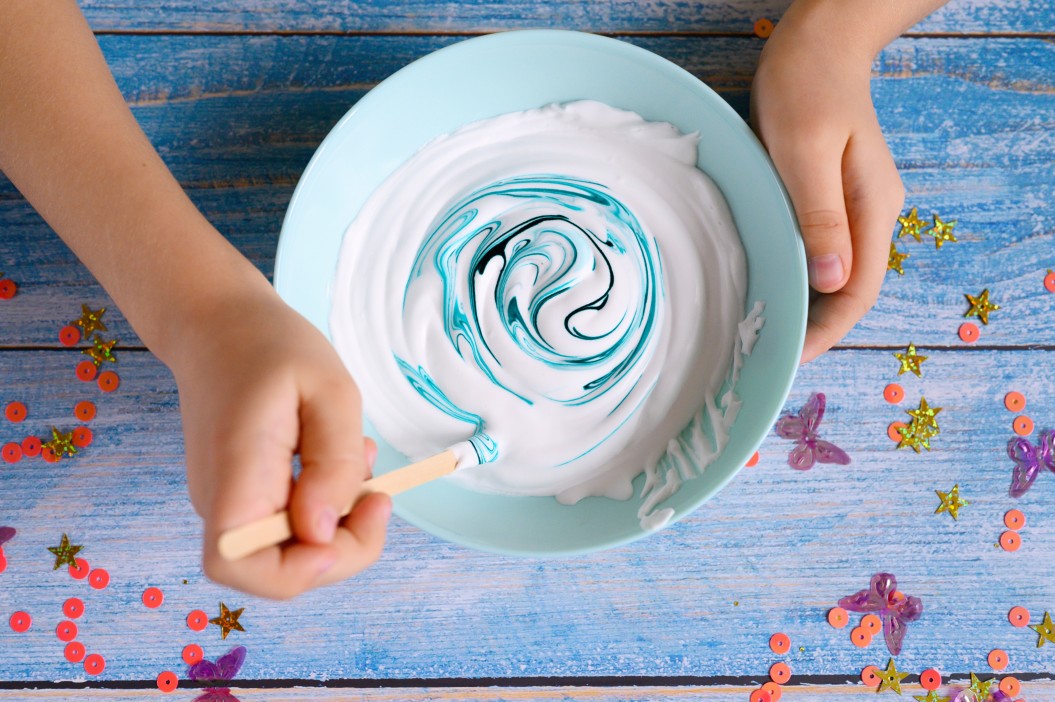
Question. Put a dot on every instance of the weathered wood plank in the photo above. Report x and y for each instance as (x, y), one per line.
(432, 16)
(770, 553)
(237, 118)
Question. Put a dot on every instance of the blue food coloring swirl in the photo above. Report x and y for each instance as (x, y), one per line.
(543, 269)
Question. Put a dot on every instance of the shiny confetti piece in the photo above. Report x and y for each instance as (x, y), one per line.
(79, 570)
(20, 622)
(838, 617)
(66, 631)
(758, 695)
(968, 332)
(930, 679)
(894, 609)
(167, 681)
(1049, 281)
(780, 673)
(1014, 519)
(775, 691)
(192, 653)
(925, 416)
(951, 502)
(69, 335)
(763, 28)
(931, 696)
(225, 668)
(98, 578)
(74, 652)
(895, 259)
(1018, 616)
(1045, 630)
(912, 225)
(980, 306)
(228, 620)
(73, 608)
(979, 687)
(1014, 401)
(86, 371)
(1029, 460)
(1010, 686)
(910, 361)
(65, 553)
(779, 643)
(753, 461)
(893, 393)
(11, 452)
(15, 412)
(84, 411)
(870, 676)
(890, 679)
(197, 620)
(1010, 541)
(8, 288)
(1022, 425)
(109, 381)
(101, 351)
(94, 664)
(82, 437)
(860, 637)
(893, 431)
(91, 320)
(153, 597)
(942, 231)
(61, 444)
(31, 446)
(872, 624)
(915, 436)
(997, 659)
(802, 429)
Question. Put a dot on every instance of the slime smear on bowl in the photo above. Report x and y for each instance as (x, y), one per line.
(563, 288)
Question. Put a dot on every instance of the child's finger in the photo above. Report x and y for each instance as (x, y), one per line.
(812, 174)
(333, 460)
(875, 197)
(277, 572)
(360, 539)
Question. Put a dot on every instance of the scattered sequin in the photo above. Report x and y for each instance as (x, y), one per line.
(893, 393)
(942, 231)
(1010, 686)
(11, 452)
(228, 620)
(79, 570)
(893, 608)
(763, 28)
(910, 361)
(197, 620)
(1029, 460)
(861, 637)
(109, 381)
(98, 578)
(1010, 541)
(86, 371)
(192, 653)
(15, 411)
(69, 335)
(1045, 630)
(802, 429)
(895, 259)
(997, 659)
(8, 288)
(1022, 425)
(1015, 401)
(65, 553)
(101, 351)
(890, 679)
(66, 631)
(969, 332)
(931, 696)
(779, 643)
(780, 673)
(167, 681)
(951, 502)
(73, 608)
(930, 679)
(980, 306)
(912, 225)
(84, 411)
(31, 446)
(870, 676)
(20, 622)
(838, 617)
(893, 430)
(74, 652)
(153, 597)
(1049, 281)
(1018, 616)
(91, 320)
(94, 664)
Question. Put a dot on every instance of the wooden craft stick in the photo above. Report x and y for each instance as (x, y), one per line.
(249, 538)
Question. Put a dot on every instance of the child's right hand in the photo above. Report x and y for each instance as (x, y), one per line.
(259, 384)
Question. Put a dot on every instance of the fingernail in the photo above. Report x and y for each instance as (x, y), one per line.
(825, 271)
(326, 525)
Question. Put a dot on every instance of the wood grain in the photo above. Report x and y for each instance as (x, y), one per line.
(436, 16)
(237, 119)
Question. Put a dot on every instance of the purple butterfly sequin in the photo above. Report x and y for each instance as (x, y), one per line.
(893, 608)
(225, 668)
(1029, 459)
(802, 429)
(6, 534)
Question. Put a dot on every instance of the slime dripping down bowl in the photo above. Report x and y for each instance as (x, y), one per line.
(492, 75)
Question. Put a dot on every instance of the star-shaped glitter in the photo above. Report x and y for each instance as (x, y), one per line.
(1045, 630)
(911, 225)
(61, 444)
(951, 502)
(228, 620)
(65, 553)
(890, 679)
(910, 360)
(942, 231)
(931, 696)
(914, 437)
(981, 689)
(926, 417)
(90, 320)
(101, 351)
(893, 262)
(980, 306)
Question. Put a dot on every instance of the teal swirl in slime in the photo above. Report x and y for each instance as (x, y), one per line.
(560, 287)
(550, 279)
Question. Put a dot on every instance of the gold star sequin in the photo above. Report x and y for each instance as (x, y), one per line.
(890, 679)
(980, 306)
(893, 262)
(942, 231)
(1045, 630)
(61, 444)
(951, 502)
(90, 320)
(228, 620)
(926, 417)
(981, 688)
(65, 553)
(931, 696)
(912, 437)
(101, 351)
(911, 225)
(910, 360)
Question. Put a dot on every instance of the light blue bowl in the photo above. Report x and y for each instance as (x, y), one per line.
(491, 75)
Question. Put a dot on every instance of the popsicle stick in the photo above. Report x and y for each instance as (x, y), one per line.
(249, 538)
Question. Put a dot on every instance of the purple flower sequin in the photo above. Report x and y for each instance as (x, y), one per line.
(6, 534)
(802, 429)
(894, 609)
(1029, 460)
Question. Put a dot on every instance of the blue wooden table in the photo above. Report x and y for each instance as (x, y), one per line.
(236, 95)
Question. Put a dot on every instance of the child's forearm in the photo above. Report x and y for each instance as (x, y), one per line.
(69, 142)
(859, 26)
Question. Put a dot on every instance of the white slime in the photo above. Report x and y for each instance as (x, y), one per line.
(563, 287)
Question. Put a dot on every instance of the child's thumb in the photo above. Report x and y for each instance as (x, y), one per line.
(816, 188)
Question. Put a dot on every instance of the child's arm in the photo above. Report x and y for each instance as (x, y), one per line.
(257, 382)
(813, 111)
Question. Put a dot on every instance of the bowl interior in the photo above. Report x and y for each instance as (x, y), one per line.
(491, 75)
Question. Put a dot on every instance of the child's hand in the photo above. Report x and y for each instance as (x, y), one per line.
(258, 384)
(812, 108)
